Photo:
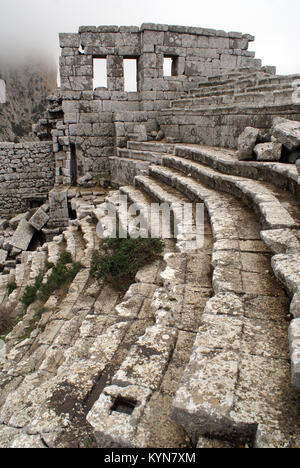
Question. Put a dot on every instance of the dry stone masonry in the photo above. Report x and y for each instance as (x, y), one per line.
(203, 350)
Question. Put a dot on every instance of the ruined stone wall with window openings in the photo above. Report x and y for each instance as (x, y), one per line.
(96, 121)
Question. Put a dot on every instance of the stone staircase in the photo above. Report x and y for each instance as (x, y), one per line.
(217, 111)
(196, 353)
(242, 338)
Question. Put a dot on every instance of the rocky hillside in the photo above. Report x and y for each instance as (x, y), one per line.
(27, 86)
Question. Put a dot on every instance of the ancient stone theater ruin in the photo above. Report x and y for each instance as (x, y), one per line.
(203, 349)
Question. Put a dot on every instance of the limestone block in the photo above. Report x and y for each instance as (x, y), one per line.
(69, 40)
(287, 132)
(246, 143)
(58, 204)
(294, 342)
(39, 219)
(3, 257)
(114, 428)
(280, 240)
(298, 165)
(295, 305)
(268, 151)
(287, 270)
(206, 394)
(23, 235)
(294, 335)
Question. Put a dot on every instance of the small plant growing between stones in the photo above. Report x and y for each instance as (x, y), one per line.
(33, 323)
(11, 286)
(60, 276)
(118, 260)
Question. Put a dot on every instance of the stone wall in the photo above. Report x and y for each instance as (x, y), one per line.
(26, 175)
(100, 119)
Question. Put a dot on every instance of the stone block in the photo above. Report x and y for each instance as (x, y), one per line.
(3, 257)
(23, 235)
(287, 132)
(39, 219)
(246, 143)
(268, 151)
(69, 40)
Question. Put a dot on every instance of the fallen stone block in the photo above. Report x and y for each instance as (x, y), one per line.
(39, 219)
(246, 143)
(14, 222)
(287, 132)
(23, 235)
(298, 165)
(3, 257)
(268, 151)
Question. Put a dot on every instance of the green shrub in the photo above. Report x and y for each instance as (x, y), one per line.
(118, 260)
(29, 296)
(61, 275)
(11, 286)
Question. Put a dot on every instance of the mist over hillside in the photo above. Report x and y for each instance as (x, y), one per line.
(28, 83)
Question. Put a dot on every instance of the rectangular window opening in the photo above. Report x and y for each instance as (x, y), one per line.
(100, 73)
(170, 66)
(130, 75)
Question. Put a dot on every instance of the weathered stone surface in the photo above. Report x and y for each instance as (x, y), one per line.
(23, 235)
(287, 270)
(112, 428)
(268, 151)
(280, 240)
(295, 305)
(3, 257)
(246, 143)
(39, 219)
(287, 132)
(58, 200)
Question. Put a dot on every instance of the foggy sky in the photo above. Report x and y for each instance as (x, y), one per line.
(30, 25)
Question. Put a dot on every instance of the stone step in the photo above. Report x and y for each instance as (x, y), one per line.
(151, 371)
(124, 170)
(237, 231)
(152, 147)
(225, 80)
(221, 125)
(105, 335)
(74, 242)
(265, 198)
(139, 155)
(277, 96)
(283, 176)
(248, 84)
